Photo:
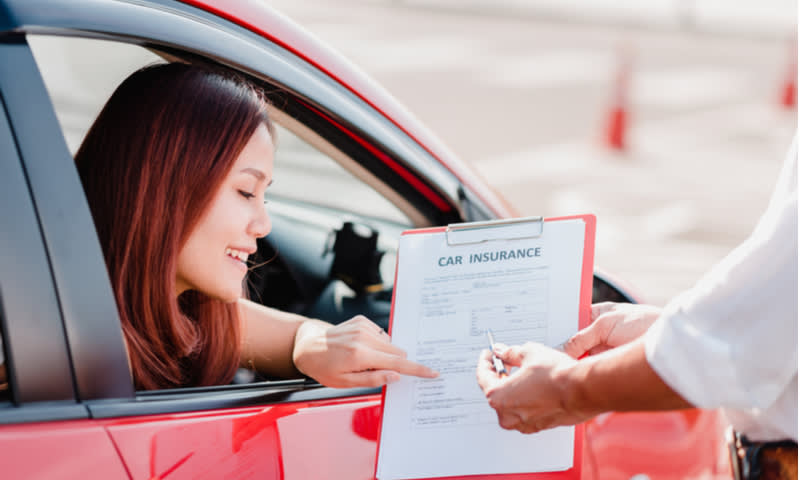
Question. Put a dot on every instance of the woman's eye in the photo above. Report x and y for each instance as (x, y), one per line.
(246, 195)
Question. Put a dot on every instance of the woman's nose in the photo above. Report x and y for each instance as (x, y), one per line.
(261, 224)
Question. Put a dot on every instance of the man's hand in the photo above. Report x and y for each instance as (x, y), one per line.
(613, 324)
(531, 398)
(356, 353)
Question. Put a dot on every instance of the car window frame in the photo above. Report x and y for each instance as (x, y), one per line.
(35, 346)
(87, 305)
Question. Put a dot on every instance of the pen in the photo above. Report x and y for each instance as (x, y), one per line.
(498, 364)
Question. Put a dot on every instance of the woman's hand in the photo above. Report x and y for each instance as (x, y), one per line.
(613, 324)
(356, 353)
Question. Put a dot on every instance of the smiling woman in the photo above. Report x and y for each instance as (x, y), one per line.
(174, 169)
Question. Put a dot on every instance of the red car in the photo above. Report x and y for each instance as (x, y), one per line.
(354, 169)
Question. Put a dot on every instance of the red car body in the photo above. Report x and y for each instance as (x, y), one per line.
(298, 434)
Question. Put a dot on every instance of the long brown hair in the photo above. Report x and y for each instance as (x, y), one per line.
(150, 165)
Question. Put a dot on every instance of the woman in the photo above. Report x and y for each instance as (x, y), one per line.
(175, 168)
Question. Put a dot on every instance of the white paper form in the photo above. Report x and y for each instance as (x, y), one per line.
(446, 296)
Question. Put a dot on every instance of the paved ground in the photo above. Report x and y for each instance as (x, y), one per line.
(525, 101)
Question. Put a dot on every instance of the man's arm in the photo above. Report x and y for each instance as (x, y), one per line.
(617, 380)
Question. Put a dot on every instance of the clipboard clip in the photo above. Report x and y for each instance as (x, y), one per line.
(480, 232)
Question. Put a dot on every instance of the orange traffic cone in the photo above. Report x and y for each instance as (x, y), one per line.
(789, 87)
(617, 121)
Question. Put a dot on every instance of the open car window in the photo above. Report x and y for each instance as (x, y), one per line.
(319, 187)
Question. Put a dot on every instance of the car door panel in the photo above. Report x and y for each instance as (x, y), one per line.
(662, 446)
(59, 450)
(301, 440)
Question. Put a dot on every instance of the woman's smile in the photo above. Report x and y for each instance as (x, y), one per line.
(240, 255)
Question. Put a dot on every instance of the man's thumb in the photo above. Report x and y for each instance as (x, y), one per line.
(513, 356)
(582, 342)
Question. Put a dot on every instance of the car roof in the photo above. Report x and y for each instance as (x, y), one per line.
(259, 18)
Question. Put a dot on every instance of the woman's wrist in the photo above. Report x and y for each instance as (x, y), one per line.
(307, 338)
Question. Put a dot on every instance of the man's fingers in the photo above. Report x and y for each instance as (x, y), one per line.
(596, 334)
(487, 377)
(513, 356)
(508, 420)
(599, 309)
(582, 342)
(598, 349)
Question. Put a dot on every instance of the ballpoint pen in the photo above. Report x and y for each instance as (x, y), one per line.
(496, 362)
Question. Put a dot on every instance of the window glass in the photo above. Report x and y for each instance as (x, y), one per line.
(81, 74)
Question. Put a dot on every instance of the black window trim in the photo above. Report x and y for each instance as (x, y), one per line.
(35, 346)
(226, 397)
(83, 291)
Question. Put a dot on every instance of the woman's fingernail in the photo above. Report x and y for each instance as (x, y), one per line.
(392, 377)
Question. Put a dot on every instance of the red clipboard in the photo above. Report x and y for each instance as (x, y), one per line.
(584, 319)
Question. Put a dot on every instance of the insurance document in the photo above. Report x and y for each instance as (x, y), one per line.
(524, 281)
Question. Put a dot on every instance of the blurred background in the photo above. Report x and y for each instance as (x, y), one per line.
(668, 119)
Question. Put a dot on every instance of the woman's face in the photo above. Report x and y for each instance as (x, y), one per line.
(213, 259)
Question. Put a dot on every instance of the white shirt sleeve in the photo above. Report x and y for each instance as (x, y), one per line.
(731, 341)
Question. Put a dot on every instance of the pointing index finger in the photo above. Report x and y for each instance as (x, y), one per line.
(400, 364)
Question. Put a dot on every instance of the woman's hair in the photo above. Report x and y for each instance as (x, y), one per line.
(150, 165)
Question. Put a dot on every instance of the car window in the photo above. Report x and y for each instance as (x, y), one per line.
(317, 187)
(80, 75)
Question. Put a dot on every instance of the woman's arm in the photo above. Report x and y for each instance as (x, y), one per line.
(268, 339)
(352, 354)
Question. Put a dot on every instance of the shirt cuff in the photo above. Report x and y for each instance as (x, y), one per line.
(707, 379)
